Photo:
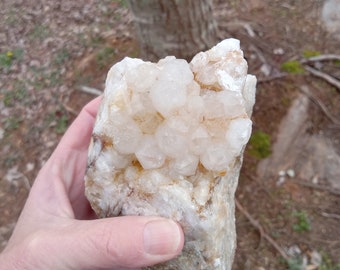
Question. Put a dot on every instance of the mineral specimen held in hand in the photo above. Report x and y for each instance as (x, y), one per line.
(168, 141)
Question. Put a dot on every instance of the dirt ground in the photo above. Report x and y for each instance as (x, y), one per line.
(50, 50)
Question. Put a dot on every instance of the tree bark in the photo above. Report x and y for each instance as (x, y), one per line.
(174, 27)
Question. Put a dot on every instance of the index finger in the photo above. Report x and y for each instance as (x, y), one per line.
(61, 180)
(78, 135)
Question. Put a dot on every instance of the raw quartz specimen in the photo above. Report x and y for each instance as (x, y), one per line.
(168, 141)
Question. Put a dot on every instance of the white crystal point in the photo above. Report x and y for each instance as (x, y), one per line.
(185, 165)
(248, 94)
(168, 141)
(238, 134)
(149, 155)
(167, 96)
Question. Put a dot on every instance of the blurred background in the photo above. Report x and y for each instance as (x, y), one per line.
(54, 56)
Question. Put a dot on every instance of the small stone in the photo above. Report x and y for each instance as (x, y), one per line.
(29, 167)
(291, 173)
(315, 258)
(279, 51)
(168, 141)
(294, 251)
(282, 173)
(266, 69)
(34, 63)
(280, 180)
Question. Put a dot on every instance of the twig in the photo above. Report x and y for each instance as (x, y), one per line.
(331, 80)
(90, 90)
(69, 109)
(268, 64)
(315, 186)
(330, 215)
(66, 107)
(258, 226)
(249, 30)
(304, 89)
(324, 57)
(259, 54)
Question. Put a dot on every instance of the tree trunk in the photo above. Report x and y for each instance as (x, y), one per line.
(174, 27)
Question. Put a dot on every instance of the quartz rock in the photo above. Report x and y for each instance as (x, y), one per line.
(168, 140)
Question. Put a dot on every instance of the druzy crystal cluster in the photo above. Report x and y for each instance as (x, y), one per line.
(168, 141)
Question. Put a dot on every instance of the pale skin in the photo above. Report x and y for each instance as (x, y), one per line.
(57, 229)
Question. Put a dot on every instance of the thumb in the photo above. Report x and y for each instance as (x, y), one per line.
(116, 243)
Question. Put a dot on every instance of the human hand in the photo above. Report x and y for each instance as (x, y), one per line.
(57, 230)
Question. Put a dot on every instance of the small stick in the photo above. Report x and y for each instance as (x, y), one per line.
(330, 215)
(69, 109)
(258, 226)
(324, 57)
(66, 107)
(239, 24)
(236, 24)
(259, 54)
(304, 89)
(249, 30)
(90, 90)
(331, 80)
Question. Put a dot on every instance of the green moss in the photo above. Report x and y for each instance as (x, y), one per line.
(327, 263)
(40, 32)
(18, 54)
(295, 263)
(12, 122)
(293, 67)
(122, 3)
(7, 58)
(61, 57)
(310, 53)
(61, 125)
(58, 120)
(259, 145)
(303, 223)
(17, 94)
(44, 79)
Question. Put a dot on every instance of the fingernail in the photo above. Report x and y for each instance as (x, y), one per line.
(162, 237)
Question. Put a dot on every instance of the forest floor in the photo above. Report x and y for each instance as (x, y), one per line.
(288, 213)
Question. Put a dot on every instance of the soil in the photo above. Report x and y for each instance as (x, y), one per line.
(50, 49)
